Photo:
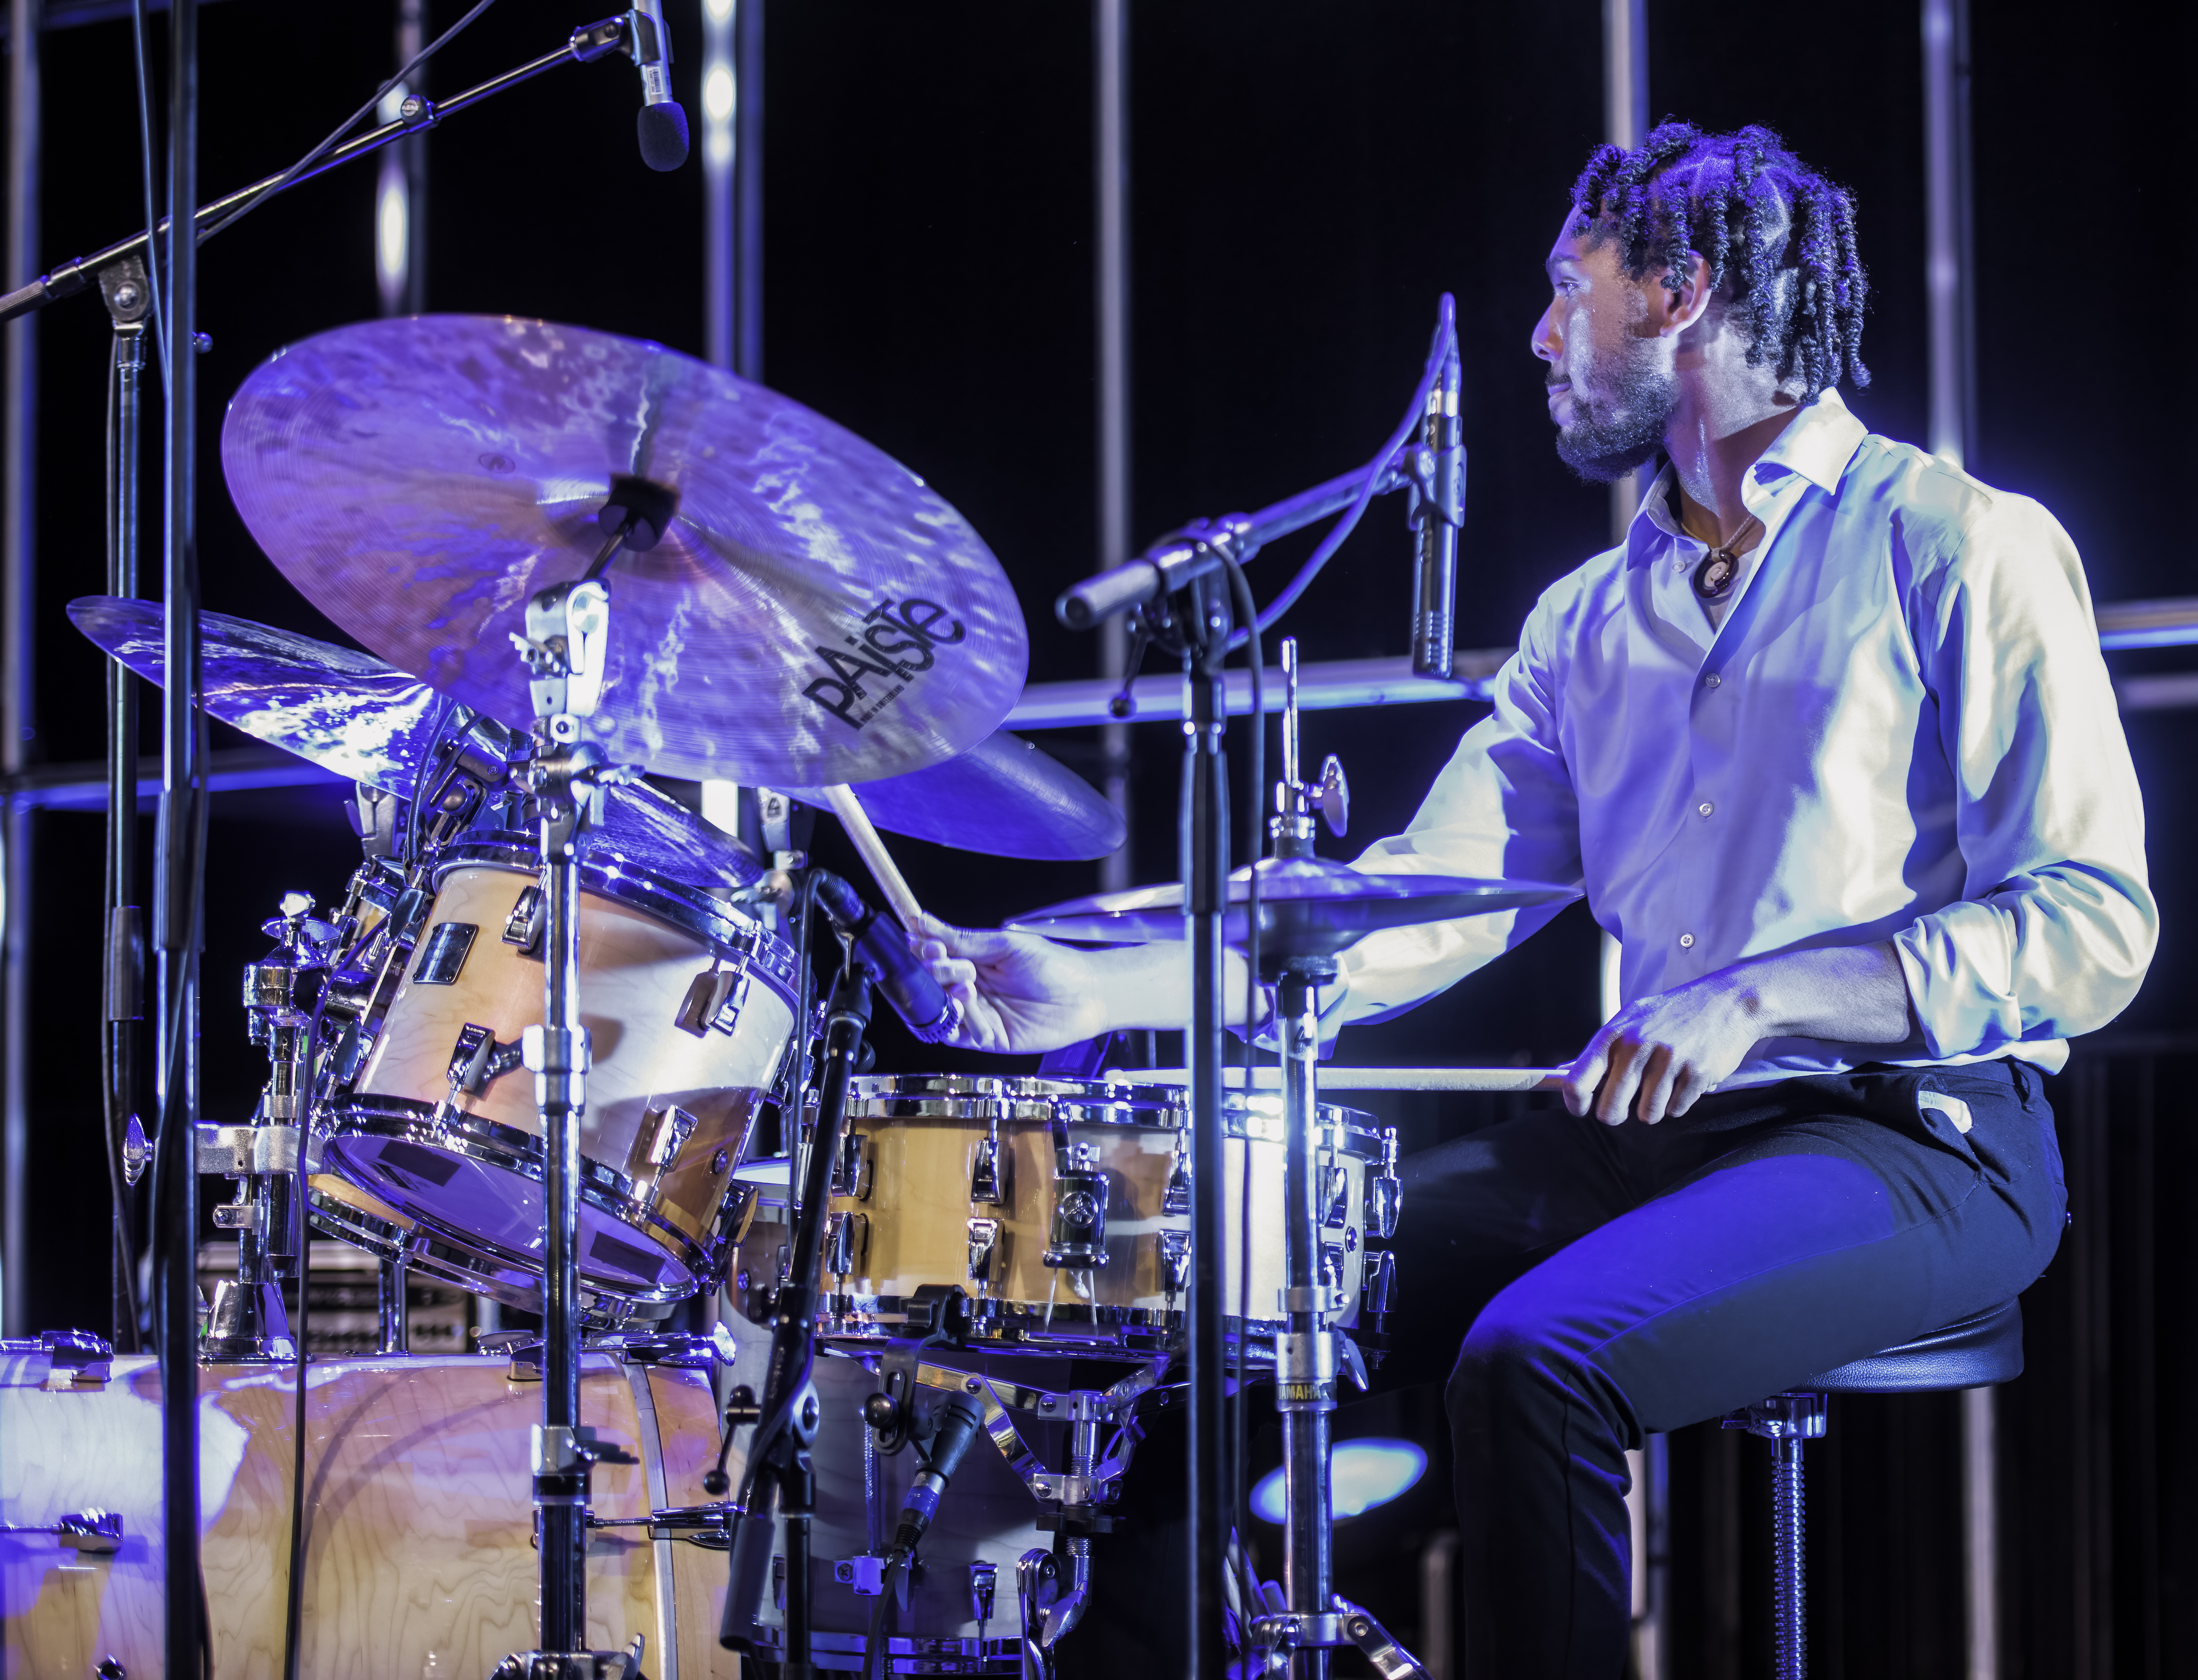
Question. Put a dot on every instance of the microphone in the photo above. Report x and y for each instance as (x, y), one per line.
(1438, 509)
(931, 1015)
(955, 1424)
(661, 123)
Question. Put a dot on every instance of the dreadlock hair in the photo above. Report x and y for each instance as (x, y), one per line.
(1778, 237)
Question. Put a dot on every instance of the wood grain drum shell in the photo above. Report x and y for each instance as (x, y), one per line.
(915, 1220)
(419, 1559)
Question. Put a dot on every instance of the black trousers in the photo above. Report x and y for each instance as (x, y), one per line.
(1607, 1282)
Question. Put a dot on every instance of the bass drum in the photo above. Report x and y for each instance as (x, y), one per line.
(419, 1536)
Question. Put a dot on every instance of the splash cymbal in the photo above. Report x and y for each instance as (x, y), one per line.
(812, 611)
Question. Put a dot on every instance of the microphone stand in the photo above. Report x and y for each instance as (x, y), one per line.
(779, 1472)
(584, 46)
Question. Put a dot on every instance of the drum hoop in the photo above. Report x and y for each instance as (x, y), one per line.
(1108, 1330)
(492, 1143)
(606, 873)
(986, 1098)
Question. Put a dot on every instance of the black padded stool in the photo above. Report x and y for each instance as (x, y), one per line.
(1970, 1354)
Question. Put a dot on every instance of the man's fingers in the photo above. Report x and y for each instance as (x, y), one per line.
(1578, 1086)
(1658, 1074)
(1619, 1082)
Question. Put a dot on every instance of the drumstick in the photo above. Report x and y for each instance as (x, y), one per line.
(857, 821)
(1331, 1079)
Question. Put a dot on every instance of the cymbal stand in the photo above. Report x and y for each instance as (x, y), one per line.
(568, 639)
(129, 306)
(1311, 1348)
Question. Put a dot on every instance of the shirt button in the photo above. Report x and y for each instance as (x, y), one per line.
(1687, 941)
(1705, 807)
(1713, 680)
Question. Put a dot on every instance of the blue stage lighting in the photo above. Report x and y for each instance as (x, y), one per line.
(1361, 1474)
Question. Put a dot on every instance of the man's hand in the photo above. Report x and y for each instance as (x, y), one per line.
(1656, 1055)
(1019, 993)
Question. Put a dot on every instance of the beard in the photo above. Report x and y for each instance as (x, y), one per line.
(1618, 423)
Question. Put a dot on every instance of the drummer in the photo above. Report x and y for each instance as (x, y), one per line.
(1829, 743)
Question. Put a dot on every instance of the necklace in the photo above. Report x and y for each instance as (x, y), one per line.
(1715, 576)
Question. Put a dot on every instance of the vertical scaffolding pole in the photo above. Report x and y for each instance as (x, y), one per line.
(1948, 266)
(1111, 287)
(180, 869)
(721, 92)
(747, 188)
(1624, 121)
(400, 197)
(19, 432)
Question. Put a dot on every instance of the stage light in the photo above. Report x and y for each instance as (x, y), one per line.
(1363, 1475)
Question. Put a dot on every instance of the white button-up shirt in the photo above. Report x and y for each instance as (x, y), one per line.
(1901, 730)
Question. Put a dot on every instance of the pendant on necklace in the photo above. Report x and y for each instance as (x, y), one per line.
(1714, 577)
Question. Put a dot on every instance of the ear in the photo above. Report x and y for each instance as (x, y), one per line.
(1671, 311)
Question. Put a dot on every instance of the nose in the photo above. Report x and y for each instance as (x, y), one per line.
(1546, 342)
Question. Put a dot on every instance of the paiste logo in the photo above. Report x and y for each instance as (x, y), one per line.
(894, 645)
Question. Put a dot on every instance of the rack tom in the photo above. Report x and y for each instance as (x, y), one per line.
(688, 1002)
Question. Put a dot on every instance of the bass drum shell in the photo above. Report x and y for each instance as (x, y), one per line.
(669, 1110)
(916, 1221)
(419, 1557)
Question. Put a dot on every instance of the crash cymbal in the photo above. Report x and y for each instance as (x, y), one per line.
(349, 712)
(1003, 797)
(1308, 906)
(813, 613)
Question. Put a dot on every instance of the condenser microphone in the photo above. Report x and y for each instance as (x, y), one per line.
(1437, 511)
(918, 999)
(662, 123)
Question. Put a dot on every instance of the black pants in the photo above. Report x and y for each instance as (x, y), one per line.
(1610, 1281)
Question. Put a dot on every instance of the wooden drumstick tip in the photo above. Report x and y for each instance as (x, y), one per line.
(857, 821)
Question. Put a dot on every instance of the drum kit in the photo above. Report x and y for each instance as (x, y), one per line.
(567, 1045)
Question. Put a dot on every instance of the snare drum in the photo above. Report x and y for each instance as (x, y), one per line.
(419, 1555)
(690, 1003)
(950, 1183)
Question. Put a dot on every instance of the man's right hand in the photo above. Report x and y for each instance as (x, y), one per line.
(1019, 993)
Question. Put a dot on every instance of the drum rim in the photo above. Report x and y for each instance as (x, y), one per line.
(1106, 1328)
(1033, 1098)
(448, 1260)
(608, 874)
(491, 1143)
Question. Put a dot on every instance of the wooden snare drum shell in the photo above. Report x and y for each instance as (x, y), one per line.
(635, 972)
(419, 1554)
(916, 1208)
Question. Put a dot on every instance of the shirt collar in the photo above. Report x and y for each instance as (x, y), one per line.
(1815, 446)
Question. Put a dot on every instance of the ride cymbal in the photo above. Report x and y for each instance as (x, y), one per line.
(812, 611)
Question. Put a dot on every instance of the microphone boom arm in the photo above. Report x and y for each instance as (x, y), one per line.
(584, 46)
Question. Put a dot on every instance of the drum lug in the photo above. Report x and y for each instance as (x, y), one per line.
(713, 1002)
(1079, 1237)
(1384, 1197)
(984, 1243)
(1336, 1193)
(985, 1171)
(983, 1583)
(846, 1243)
(477, 1058)
(1175, 1199)
(674, 1126)
(851, 1173)
(1174, 1264)
(523, 928)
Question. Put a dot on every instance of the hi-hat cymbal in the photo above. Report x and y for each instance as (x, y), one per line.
(813, 613)
(1002, 796)
(1308, 907)
(349, 712)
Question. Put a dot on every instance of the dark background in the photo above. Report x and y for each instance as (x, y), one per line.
(1305, 180)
